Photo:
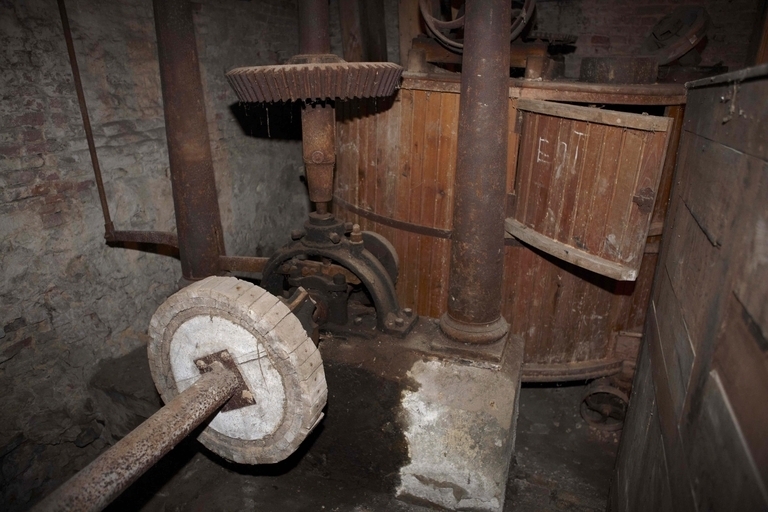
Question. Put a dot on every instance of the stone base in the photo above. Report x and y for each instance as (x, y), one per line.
(456, 416)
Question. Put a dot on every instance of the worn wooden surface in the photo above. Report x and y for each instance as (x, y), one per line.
(363, 35)
(409, 26)
(561, 90)
(395, 173)
(586, 184)
(704, 366)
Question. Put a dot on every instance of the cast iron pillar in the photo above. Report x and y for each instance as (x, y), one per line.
(198, 221)
(477, 250)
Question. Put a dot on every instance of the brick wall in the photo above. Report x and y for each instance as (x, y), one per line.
(67, 301)
(618, 27)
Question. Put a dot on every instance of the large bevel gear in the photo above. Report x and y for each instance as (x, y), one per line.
(315, 78)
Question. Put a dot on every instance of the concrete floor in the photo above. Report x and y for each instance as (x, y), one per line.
(561, 464)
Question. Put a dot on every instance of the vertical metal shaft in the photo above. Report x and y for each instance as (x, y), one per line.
(318, 130)
(198, 221)
(477, 250)
(113, 471)
(314, 23)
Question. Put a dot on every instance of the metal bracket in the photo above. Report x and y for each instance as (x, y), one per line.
(242, 397)
(327, 237)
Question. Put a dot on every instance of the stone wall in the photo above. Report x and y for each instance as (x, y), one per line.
(619, 27)
(68, 301)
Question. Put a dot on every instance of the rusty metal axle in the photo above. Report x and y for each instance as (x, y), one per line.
(113, 471)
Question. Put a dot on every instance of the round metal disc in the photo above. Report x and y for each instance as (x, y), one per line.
(278, 362)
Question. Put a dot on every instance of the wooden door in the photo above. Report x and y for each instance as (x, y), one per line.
(586, 183)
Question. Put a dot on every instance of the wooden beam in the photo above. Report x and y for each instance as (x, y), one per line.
(758, 47)
(363, 33)
(410, 26)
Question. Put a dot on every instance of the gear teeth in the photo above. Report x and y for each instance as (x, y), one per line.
(316, 81)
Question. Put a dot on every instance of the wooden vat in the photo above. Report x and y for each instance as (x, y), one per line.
(395, 174)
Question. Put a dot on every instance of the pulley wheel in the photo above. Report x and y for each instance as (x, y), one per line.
(604, 406)
(284, 383)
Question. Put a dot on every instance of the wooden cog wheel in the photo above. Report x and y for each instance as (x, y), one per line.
(278, 362)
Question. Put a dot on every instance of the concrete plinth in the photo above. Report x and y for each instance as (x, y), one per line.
(455, 419)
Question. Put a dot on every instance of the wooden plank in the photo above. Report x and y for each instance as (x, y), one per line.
(641, 482)
(403, 198)
(758, 46)
(578, 136)
(732, 113)
(408, 25)
(373, 30)
(513, 140)
(427, 278)
(568, 253)
(653, 490)
(586, 191)
(625, 178)
(637, 308)
(449, 126)
(558, 176)
(596, 115)
(741, 362)
(443, 202)
(524, 177)
(569, 91)
(676, 346)
(417, 151)
(557, 308)
(714, 196)
(353, 47)
(723, 473)
(640, 209)
(387, 135)
(542, 173)
(677, 466)
(698, 275)
(675, 113)
(752, 296)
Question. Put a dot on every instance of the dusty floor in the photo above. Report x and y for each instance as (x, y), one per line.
(561, 464)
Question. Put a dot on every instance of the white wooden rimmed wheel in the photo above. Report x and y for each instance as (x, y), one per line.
(284, 388)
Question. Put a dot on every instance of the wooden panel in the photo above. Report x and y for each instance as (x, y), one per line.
(710, 198)
(397, 161)
(695, 271)
(741, 361)
(676, 347)
(734, 113)
(408, 26)
(677, 466)
(560, 310)
(595, 115)
(643, 460)
(723, 472)
(556, 90)
(705, 329)
(586, 184)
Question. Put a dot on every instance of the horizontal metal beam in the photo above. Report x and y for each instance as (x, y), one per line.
(113, 471)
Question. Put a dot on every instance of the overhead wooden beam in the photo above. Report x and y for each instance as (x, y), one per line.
(363, 32)
(410, 27)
